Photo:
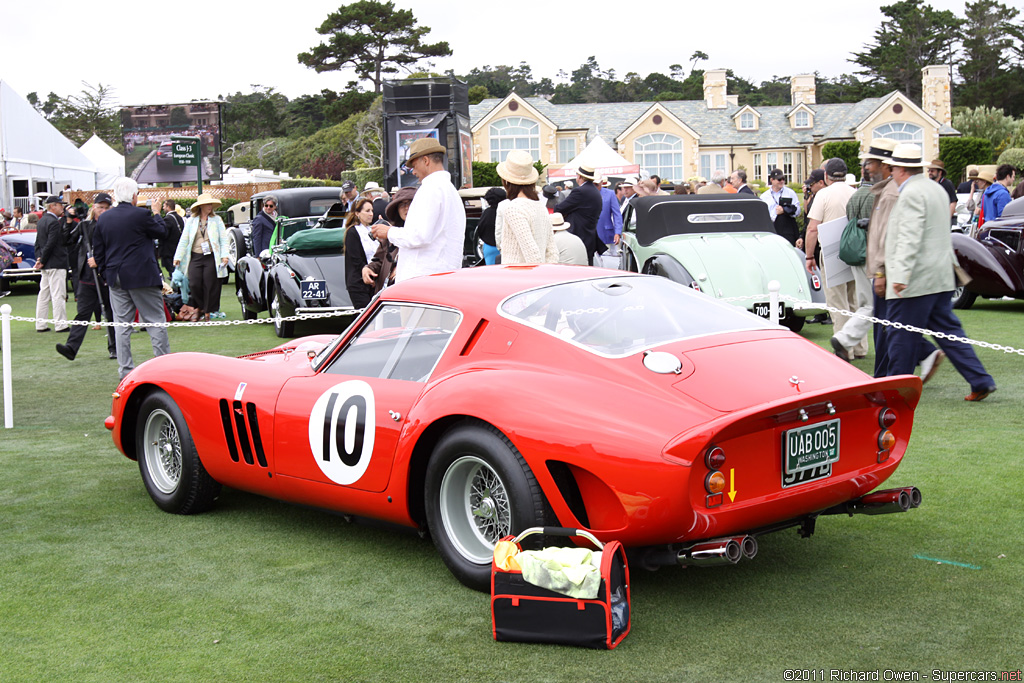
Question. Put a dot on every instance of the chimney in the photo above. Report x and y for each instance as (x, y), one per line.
(801, 89)
(714, 89)
(935, 93)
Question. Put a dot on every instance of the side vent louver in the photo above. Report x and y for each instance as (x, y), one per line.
(242, 435)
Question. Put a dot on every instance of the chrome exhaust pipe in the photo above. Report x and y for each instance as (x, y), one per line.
(711, 553)
(882, 502)
(915, 495)
(748, 546)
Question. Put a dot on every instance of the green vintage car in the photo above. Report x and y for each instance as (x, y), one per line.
(722, 245)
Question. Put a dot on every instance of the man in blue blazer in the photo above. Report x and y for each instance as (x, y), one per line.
(126, 258)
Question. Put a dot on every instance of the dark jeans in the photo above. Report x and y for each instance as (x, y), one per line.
(204, 285)
(881, 333)
(88, 304)
(933, 312)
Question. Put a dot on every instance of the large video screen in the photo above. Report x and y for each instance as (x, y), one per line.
(146, 133)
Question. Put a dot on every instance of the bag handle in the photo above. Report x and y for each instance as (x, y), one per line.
(558, 531)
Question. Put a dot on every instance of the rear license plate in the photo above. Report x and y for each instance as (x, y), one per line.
(808, 452)
(314, 289)
(763, 309)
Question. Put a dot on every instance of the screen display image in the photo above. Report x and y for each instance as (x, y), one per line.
(146, 132)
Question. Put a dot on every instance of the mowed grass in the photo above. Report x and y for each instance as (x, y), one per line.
(99, 585)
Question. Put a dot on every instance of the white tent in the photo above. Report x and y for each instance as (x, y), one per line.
(601, 157)
(109, 164)
(35, 156)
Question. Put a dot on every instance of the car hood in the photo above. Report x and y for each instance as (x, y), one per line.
(327, 267)
(738, 264)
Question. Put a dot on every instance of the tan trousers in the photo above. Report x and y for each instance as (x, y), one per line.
(52, 289)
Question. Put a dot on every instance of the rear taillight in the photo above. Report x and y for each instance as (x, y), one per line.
(714, 482)
(886, 439)
(886, 418)
(714, 458)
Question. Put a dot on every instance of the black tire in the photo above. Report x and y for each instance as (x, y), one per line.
(794, 322)
(246, 313)
(171, 469)
(478, 490)
(963, 298)
(236, 246)
(282, 328)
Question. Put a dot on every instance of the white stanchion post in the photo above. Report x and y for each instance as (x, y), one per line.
(5, 339)
(773, 301)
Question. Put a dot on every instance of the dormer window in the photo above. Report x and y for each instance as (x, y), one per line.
(801, 119)
(747, 121)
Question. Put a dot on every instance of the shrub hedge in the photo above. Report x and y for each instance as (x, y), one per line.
(847, 150)
(1013, 156)
(957, 153)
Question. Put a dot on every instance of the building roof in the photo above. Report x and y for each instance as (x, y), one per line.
(716, 127)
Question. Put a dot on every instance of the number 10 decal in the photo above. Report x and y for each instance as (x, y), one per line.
(341, 429)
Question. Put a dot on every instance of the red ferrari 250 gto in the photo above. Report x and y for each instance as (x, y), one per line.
(478, 403)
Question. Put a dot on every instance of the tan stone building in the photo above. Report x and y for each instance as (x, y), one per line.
(682, 139)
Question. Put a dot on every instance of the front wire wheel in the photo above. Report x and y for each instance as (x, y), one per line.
(474, 507)
(162, 451)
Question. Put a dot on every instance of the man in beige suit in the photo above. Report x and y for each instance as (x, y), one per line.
(919, 264)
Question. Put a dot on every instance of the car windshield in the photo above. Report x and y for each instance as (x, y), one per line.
(619, 316)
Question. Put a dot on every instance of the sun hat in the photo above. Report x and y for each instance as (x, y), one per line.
(423, 146)
(880, 149)
(403, 195)
(586, 172)
(518, 168)
(907, 155)
(558, 223)
(987, 173)
(937, 165)
(202, 200)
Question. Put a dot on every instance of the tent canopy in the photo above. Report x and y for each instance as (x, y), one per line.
(601, 157)
(109, 163)
(32, 149)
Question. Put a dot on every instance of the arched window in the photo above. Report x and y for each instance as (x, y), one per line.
(901, 131)
(660, 154)
(514, 132)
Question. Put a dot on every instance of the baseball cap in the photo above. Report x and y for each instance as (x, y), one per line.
(103, 198)
(816, 176)
(836, 169)
(776, 174)
(348, 186)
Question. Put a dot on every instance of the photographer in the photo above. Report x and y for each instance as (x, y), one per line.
(91, 292)
(783, 206)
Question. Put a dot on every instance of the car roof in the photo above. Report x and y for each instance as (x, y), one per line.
(691, 214)
(302, 193)
(478, 291)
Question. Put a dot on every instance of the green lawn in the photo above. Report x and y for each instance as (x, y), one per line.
(99, 585)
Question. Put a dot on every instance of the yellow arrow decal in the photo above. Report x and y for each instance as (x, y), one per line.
(732, 485)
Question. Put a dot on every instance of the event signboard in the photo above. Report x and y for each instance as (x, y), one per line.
(148, 133)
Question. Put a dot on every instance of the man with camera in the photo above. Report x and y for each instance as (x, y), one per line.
(783, 205)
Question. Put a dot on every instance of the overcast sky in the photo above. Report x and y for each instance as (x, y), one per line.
(145, 52)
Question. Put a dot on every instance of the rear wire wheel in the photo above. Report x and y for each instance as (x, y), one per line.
(478, 490)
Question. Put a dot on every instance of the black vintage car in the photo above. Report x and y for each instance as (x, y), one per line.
(295, 202)
(302, 273)
(994, 259)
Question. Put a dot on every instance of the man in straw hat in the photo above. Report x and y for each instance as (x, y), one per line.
(937, 172)
(570, 247)
(124, 254)
(919, 263)
(434, 231)
(581, 210)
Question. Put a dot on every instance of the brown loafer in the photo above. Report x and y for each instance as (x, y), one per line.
(980, 395)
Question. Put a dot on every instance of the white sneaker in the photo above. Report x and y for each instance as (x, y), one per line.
(930, 364)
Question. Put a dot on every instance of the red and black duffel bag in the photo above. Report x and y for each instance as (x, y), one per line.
(523, 612)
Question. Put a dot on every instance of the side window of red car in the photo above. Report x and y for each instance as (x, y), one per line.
(400, 341)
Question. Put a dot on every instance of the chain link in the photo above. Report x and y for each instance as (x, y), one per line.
(200, 323)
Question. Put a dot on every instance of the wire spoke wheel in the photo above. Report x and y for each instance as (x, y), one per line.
(474, 508)
(163, 451)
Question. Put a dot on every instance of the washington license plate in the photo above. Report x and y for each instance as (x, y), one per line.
(808, 452)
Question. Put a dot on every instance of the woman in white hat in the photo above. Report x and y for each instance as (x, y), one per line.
(202, 254)
(523, 227)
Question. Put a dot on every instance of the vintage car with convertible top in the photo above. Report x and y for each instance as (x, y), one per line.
(723, 245)
(994, 259)
(463, 404)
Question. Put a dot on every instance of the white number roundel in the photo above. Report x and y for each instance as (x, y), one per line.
(341, 429)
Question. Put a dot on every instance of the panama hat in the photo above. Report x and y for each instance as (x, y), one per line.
(880, 149)
(423, 146)
(558, 223)
(937, 165)
(586, 172)
(518, 168)
(907, 155)
(204, 199)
